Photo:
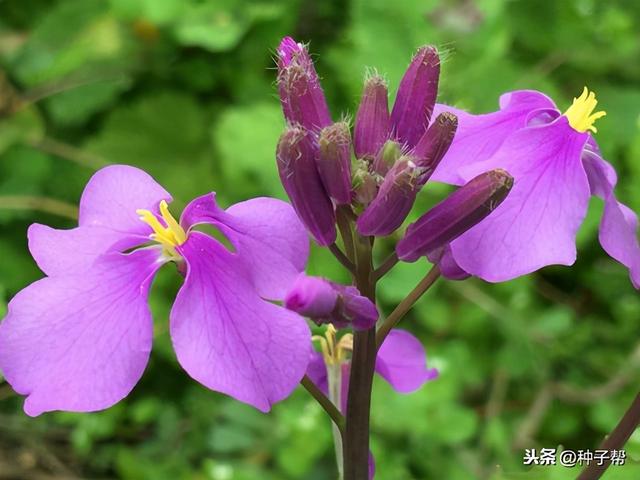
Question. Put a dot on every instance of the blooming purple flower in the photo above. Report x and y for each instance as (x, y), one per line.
(557, 166)
(80, 338)
(327, 302)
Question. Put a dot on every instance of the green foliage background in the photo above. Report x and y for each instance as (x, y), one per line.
(185, 90)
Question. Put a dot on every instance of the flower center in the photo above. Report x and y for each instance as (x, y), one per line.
(334, 350)
(169, 235)
(580, 114)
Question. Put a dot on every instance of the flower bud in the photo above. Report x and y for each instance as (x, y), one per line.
(327, 302)
(301, 95)
(371, 127)
(394, 199)
(416, 97)
(456, 214)
(365, 183)
(296, 157)
(334, 161)
(435, 142)
(387, 156)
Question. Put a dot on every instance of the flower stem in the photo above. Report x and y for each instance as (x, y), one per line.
(341, 257)
(356, 447)
(387, 265)
(334, 377)
(405, 305)
(324, 402)
(615, 440)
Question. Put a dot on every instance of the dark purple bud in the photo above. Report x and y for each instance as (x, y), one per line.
(334, 161)
(296, 157)
(435, 142)
(416, 97)
(456, 214)
(301, 95)
(449, 268)
(371, 128)
(387, 156)
(393, 201)
(327, 302)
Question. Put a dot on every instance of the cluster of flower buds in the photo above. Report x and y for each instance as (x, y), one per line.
(394, 155)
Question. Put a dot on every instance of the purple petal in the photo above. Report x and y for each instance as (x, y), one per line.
(478, 137)
(80, 342)
(266, 233)
(227, 337)
(317, 372)
(402, 362)
(70, 251)
(619, 224)
(448, 267)
(114, 193)
(371, 127)
(536, 224)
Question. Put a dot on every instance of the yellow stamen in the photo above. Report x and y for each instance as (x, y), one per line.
(580, 114)
(334, 352)
(169, 236)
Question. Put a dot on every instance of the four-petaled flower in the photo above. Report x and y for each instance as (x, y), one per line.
(80, 339)
(557, 166)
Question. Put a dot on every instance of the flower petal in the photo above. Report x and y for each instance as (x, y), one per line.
(402, 362)
(70, 251)
(479, 136)
(114, 193)
(80, 342)
(317, 372)
(537, 223)
(619, 224)
(227, 337)
(267, 235)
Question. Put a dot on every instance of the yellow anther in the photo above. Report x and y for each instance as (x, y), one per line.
(580, 113)
(169, 236)
(334, 351)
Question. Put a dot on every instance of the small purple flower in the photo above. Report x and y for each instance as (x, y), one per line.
(556, 165)
(80, 338)
(328, 302)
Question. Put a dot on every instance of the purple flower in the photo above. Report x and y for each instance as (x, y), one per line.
(80, 338)
(328, 302)
(557, 166)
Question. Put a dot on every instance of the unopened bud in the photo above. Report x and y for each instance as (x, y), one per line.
(387, 156)
(393, 201)
(301, 95)
(416, 97)
(327, 302)
(372, 123)
(296, 157)
(435, 142)
(334, 161)
(456, 214)
(365, 183)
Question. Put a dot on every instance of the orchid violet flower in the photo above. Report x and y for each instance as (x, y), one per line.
(556, 165)
(80, 338)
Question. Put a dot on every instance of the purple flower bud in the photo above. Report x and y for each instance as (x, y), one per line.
(296, 158)
(394, 200)
(371, 128)
(387, 156)
(327, 302)
(456, 214)
(435, 142)
(334, 161)
(416, 96)
(301, 95)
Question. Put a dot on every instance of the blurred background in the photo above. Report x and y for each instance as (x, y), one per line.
(185, 90)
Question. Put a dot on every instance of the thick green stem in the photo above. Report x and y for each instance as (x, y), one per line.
(356, 447)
